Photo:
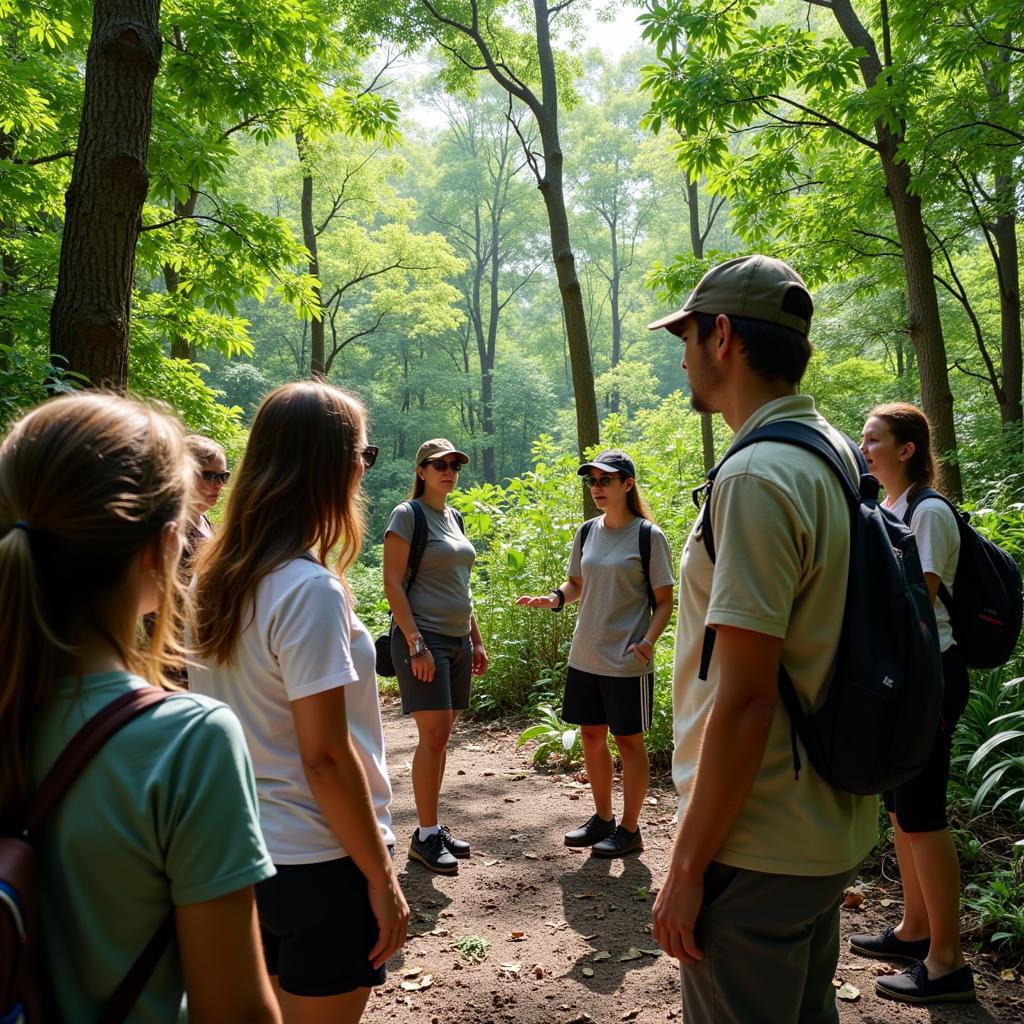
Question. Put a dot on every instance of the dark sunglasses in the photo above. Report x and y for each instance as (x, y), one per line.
(215, 478)
(442, 464)
(369, 455)
(599, 481)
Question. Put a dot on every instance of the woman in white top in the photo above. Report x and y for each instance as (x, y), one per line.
(896, 442)
(278, 641)
(609, 684)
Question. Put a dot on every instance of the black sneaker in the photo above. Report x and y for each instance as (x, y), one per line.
(456, 847)
(431, 853)
(914, 986)
(887, 946)
(595, 829)
(619, 843)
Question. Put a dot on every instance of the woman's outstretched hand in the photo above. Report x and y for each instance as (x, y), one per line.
(539, 601)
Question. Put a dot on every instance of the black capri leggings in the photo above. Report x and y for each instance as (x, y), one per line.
(920, 804)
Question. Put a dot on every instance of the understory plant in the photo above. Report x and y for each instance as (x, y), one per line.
(552, 737)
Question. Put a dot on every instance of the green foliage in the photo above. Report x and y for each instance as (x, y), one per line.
(473, 948)
(551, 736)
(26, 378)
(997, 897)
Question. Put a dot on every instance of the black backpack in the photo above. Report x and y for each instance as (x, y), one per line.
(985, 607)
(385, 666)
(881, 709)
(645, 551)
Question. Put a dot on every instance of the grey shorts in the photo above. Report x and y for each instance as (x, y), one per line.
(449, 689)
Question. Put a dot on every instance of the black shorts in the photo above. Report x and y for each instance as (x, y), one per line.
(318, 928)
(920, 804)
(622, 703)
(453, 670)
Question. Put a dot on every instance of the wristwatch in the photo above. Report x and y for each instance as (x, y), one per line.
(560, 594)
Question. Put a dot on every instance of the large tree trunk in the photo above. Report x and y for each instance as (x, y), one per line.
(707, 430)
(90, 319)
(317, 353)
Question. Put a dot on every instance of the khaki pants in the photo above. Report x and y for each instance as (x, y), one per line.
(770, 944)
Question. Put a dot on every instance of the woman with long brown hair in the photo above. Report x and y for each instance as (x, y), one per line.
(896, 442)
(160, 827)
(278, 640)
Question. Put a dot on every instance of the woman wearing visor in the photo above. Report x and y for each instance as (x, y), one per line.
(435, 645)
(609, 686)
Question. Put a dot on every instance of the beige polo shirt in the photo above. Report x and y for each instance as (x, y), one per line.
(782, 540)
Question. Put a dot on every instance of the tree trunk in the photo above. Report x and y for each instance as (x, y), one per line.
(317, 353)
(707, 430)
(1004, 233)
(923, 313)
(180, 347)
(91, 315)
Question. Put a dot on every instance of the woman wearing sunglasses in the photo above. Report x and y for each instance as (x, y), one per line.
(211, 477)
(435, 645)
(609, 685)
(278, 641)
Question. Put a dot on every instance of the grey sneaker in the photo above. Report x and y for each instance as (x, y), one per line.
(456, 847)
(593, 831)
(431, 853)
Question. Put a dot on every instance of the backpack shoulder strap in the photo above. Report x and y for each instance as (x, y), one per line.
(801, 435)
(419, 542)
(645, 558)
(929, 492)
(83, 746)
(459, 520)
(585, 532)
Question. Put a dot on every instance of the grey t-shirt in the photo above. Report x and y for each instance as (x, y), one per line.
(439, 596)
(613, 610)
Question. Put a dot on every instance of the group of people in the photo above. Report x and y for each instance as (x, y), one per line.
(254, 805)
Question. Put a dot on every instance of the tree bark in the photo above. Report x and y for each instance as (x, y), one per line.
(91, 315)
(707, 430)
(317, 351)
(180, 347)
(1004, 234)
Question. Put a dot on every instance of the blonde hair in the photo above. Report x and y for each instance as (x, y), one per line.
(296, 491)
(87, 481)
(204, 449)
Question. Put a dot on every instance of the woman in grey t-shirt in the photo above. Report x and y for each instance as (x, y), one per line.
(609, 684)
(435, 643)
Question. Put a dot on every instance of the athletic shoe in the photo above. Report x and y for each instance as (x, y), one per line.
(887, 946)
(595, 829)
(619, 843)
(456, 847)
(431, 853)
(914, 986)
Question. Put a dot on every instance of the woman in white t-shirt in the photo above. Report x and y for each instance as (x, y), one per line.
(609, 685)
(896, 442)
(278, 641)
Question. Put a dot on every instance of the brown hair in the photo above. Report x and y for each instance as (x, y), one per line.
(204, 449)
(87, 481)
(909, 425)
(636, 504)
(295, 491)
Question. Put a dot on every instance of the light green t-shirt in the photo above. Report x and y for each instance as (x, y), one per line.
(782, 542)
(439, 596)
(164, 815)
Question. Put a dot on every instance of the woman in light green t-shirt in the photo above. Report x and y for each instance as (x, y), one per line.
(160, 827)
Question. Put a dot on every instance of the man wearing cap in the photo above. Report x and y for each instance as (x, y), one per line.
(750, 905)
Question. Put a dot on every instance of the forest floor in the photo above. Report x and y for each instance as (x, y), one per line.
(569, 935)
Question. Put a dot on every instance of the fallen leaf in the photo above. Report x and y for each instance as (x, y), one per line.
(530, 856)
(490, 863)
(1008, 975)
(886, 902)
(652, 952)
(852, 899)
(588, 972)
(517, 837)
(582, 779)
(472, 746)
(631, 954)
(411, 972)
(653, 801)
(511, 968)
(557, 925)
(836, 983)
(601, 954)
(583, 1018)
(587, 938)
(630, 1015)
(418, 984)
(849, 993)
(517, 936)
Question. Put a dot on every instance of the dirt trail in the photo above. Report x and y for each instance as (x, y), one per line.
(570, 907)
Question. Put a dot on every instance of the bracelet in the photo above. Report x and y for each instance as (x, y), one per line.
(418, 654)
(560, 594)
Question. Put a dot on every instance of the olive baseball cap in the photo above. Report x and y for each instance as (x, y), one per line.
(749, 286)
(438, 447)
(611, 460)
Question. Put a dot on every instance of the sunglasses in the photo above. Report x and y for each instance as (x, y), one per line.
(369, 455)
(442, 464)
(599, 481)
(215, 478)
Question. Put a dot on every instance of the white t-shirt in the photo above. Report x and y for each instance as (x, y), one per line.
(302, 639)
(938, 544)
